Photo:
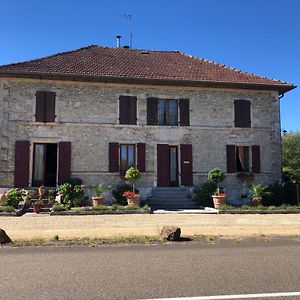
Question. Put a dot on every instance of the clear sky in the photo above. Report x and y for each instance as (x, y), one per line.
(258, 36)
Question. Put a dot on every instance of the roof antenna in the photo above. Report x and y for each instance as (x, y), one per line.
(128, 18)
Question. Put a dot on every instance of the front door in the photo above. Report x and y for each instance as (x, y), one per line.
(173, 165)
(44, 165)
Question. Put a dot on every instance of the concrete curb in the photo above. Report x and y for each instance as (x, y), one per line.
(99, 212)
(259, 212)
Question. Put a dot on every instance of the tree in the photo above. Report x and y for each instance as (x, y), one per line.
(291, 156)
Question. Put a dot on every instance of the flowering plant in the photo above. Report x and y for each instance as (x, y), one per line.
(128, 194)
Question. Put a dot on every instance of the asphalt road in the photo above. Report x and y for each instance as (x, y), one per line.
(150, 271)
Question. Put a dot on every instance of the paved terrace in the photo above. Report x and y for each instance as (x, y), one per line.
(32, 226)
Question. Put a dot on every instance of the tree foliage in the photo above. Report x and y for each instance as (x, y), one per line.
(291, 156)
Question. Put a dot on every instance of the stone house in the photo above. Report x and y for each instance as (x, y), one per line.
(93, 112)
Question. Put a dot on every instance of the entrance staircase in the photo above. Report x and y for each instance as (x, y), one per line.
(172, 198)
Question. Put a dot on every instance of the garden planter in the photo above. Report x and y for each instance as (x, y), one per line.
(219, 200)
(256, 201)
(98, 201)
(37, 209)
(3, 200)
(133, 200)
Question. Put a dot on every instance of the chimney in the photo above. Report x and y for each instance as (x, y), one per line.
(118, 41)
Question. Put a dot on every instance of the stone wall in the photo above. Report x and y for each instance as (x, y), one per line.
(87, 115)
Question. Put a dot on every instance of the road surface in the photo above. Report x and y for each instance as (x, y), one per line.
(186, 269)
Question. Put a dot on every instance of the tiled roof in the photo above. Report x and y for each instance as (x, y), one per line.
(104, 63)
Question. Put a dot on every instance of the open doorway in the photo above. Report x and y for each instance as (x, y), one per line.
(44, 164)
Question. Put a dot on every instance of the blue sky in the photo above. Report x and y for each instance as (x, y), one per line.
(258, 36)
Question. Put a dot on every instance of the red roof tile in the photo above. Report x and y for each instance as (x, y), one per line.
(103, 63)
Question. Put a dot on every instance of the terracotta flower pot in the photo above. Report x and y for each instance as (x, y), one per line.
(3, 200)
(133, 200)
(37, 208)
(256, 201)
(219, 200)
(98, 200)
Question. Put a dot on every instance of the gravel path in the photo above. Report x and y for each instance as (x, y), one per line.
(32, 226)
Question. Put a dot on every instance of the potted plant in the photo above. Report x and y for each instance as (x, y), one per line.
(97, 191)
(37, 206)
(217, 176)
(257, 191)
(132, 175)
(132, 198)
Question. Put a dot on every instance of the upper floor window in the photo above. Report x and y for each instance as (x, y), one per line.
(127, 110)
(242, 114)
(45, 106)
(166, 112)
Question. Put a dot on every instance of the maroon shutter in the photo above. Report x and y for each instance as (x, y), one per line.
(186, 155)
(64, 162)
(40, 106)
(123, 110)
(132, 110)
(21, 164)
(141, 157)
(231, 161)
(184, 107)
(113, 157)
(163, 157)
(50, 107)
(152, 116)
(242, 113)
(255, 159)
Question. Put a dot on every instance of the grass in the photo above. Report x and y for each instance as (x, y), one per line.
(260, 207)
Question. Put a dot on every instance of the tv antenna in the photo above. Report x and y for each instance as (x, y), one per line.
(128, 18)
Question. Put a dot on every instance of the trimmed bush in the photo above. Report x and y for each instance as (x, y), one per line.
(204, 193)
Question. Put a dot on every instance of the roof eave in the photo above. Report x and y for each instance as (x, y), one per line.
(281, 88)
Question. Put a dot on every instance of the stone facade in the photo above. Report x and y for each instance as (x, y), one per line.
(87, 116)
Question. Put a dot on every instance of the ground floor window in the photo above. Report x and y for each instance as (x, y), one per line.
(44, 164)
(127, 157)
(242, 158)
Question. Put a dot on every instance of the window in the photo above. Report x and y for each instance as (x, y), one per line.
(45, 107)
(165, 112)
(242, 158)
(127, 110)
(238, 158)
(127, 157)
(242, 116)
(168, 112)
(123, 156)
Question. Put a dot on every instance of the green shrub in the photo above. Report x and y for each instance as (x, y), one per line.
(7, 209)
(14, 196)
(58, 207)
(204, 193)
(132, 175)
(118, 191)
(216, 176)
(71, 195)
(274, 195)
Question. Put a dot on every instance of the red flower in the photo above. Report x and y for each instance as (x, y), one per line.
(128, 194)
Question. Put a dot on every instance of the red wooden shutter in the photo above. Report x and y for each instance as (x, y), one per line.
(163, 157)
(152, 116)
(113, 153)
(186, 155)
(40, 106)
(255, 159)
(127, 110)
(21, 176)
(141, 157)
(50, 107)
(123, 110)
(64, 162)
(242, 113)
(184, 107)
(231, 161)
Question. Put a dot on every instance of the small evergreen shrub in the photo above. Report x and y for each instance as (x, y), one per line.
(204, 193)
